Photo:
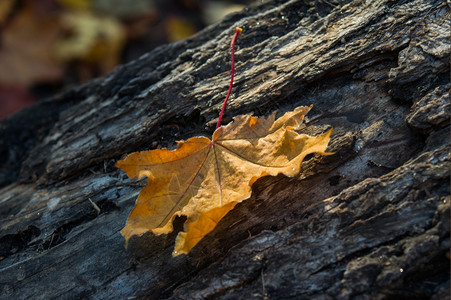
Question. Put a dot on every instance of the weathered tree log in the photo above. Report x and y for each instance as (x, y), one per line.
(370, 221)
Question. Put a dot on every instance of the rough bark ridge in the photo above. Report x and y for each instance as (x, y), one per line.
(370, 221)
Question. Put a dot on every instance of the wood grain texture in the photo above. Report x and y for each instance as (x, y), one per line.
(371, 221)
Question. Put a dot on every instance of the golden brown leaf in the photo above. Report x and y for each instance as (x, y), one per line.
(204, 179)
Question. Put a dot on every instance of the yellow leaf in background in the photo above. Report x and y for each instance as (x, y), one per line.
(179, 28)
(204, 179)
(76, 4)
(93, 39)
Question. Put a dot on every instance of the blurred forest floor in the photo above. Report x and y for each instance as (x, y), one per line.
(49, 45)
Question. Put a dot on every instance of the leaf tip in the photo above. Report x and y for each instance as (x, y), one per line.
(118, 164)
(329, 133)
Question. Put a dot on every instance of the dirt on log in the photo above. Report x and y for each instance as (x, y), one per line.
(370, 221)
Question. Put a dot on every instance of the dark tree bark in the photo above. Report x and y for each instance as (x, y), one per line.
(370, 221)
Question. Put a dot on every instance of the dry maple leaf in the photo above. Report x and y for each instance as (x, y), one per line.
(204, 179)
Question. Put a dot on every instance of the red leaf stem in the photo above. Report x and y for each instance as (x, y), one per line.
(232, 73)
